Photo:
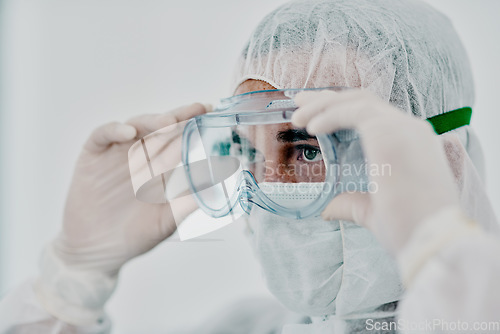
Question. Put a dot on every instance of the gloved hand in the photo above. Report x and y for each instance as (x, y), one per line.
(104, 225)
(420, 183)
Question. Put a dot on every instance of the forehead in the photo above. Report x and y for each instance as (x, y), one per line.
(281, 132)
(265, 131)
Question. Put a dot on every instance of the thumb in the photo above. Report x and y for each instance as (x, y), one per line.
(349, 206)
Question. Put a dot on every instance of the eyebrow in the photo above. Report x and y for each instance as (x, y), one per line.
(293, 135)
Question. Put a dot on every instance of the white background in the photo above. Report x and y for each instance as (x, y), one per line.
(68, 66)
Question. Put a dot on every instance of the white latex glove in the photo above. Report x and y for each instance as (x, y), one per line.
(421, 182)
(104, 225)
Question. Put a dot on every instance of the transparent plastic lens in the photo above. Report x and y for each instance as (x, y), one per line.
(273, 153)
(253, 155)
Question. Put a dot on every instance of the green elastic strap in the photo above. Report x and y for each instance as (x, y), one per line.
(450, 120)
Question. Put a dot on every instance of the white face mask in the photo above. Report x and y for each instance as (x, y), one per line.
(316, 267)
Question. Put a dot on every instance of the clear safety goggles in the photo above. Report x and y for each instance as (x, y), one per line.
(246, 152)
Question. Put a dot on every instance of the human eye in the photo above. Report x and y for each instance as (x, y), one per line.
(309, 153)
